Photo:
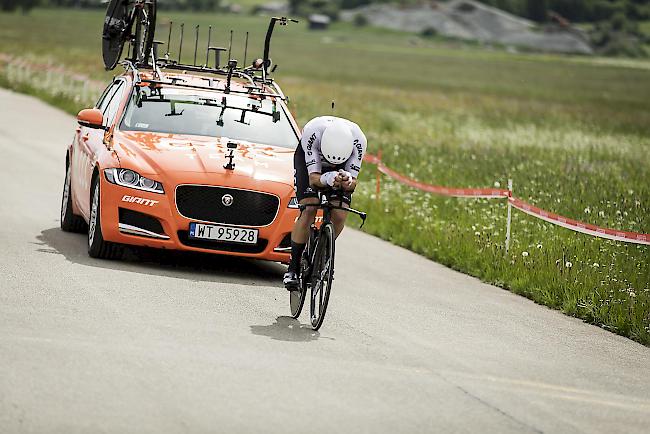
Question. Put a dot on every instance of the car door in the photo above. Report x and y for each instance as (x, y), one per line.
(91, 141)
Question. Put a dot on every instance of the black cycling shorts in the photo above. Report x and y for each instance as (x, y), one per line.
(301, 179)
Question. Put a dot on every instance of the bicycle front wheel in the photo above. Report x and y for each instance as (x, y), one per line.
(322, 275)
(145, 28)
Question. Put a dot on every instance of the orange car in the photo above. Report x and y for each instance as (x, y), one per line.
(184, 161)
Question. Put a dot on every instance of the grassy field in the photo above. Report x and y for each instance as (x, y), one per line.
(572, 132)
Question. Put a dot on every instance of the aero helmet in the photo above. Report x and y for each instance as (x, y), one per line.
(337, 142)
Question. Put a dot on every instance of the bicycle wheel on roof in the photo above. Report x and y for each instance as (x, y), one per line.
(121, 17)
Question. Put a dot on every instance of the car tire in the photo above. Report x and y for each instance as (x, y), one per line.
(69, 221)
(97, 247)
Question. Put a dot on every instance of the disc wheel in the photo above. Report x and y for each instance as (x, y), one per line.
(115, 33)
(322, 275)
(145, 27)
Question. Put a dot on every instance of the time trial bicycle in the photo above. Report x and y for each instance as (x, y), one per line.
(317, 263)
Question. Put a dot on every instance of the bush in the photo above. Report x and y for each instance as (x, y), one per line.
(623, 46)
(619, 21)
(305, 8)
(360, 20)
(429, 32)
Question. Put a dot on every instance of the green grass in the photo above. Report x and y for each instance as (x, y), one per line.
(572, 132)
(644, 26)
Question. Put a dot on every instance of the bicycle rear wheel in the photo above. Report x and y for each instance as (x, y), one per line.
(297, 298)
(322, 275)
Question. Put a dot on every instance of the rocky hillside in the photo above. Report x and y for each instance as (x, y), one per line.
(471, 20)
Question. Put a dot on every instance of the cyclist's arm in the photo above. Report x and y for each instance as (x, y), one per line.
(310, 143)
(353, 164)
(316, 181)
(350, 186)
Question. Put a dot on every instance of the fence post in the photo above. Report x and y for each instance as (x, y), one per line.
(378, 177)
(509, 220)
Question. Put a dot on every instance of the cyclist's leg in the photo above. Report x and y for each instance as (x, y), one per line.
(300, 231)
(339, 216)
(305, 195)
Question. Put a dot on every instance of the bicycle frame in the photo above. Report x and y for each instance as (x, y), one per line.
(327, 207)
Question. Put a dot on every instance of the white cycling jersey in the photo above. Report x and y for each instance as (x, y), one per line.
(310, 141)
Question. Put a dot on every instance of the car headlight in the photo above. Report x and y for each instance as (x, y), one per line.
(131, 179)
(293, 203)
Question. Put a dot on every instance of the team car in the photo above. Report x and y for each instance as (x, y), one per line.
(181, 157)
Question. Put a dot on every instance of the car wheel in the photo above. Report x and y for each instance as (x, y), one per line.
(97, 247)
(69, 221)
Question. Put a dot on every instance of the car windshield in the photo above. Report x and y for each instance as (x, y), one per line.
(179, 111)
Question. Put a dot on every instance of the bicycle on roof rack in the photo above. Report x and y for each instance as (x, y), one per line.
(317, 263)
(134, 21)
(128, 20)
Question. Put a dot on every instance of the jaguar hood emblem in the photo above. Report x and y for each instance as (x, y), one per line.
(227, 199)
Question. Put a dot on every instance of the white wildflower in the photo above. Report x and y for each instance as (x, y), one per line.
(587, 210)
(595, 265)
(568, 264)
(524, 254)
(497, 184)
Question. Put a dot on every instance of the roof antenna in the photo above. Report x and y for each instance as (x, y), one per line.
(180, 47)
(196, 43)
(332, 106)
(230, 47)
(207, 51)
(169, 38)
(246, 49)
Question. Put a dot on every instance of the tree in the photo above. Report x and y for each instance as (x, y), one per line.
(8, 5)
(536, 10)
(28, 5)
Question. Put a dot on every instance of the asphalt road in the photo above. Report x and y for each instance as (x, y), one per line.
(200, 344)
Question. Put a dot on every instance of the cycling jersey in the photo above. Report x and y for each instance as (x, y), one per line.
(311, 140)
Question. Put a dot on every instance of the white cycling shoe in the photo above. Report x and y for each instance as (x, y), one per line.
(290, 281)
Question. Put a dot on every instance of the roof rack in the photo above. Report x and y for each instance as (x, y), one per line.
(260, 83)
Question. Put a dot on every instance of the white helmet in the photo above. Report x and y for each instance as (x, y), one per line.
(337, 142)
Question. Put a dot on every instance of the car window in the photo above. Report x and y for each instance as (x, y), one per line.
(203, 114)
(113, 104)
(106, 96)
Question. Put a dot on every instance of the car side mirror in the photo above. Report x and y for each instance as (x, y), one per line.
(91, 118)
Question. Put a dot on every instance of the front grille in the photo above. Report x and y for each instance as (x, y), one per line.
(223, 246)
(140, 220)
(206, 203)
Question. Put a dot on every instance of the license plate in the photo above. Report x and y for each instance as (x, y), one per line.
(230, 234)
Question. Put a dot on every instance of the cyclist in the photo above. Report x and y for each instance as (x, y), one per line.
(328, 158)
